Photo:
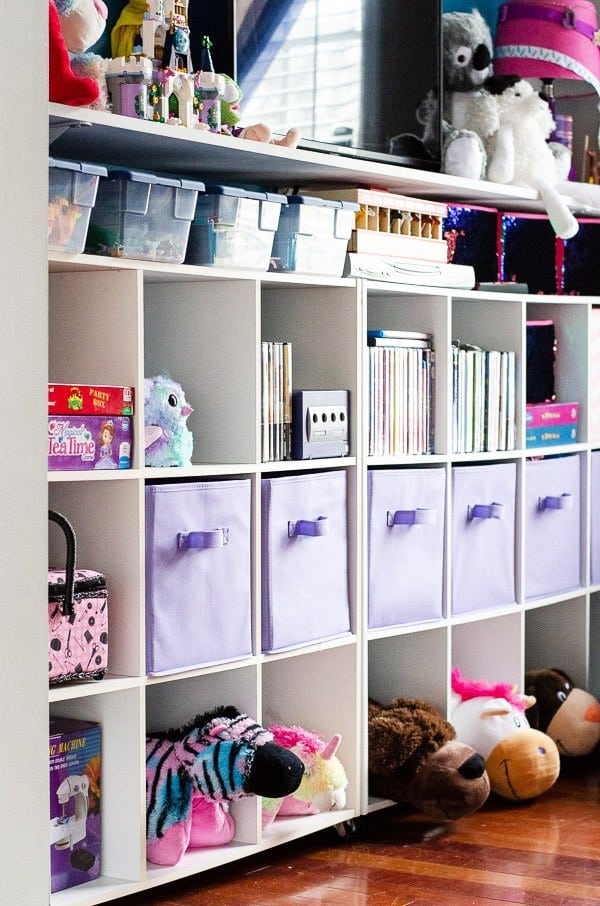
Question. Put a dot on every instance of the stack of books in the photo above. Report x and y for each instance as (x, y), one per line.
(551, 423)
(276, 401)
(401, 380)
(483, 399)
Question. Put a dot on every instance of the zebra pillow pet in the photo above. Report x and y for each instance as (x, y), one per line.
(219, 756)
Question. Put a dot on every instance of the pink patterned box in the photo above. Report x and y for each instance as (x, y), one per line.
(89, 442)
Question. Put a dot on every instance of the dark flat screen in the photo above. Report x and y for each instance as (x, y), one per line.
(348, 73)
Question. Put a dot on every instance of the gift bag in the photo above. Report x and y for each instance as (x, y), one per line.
(77, 617)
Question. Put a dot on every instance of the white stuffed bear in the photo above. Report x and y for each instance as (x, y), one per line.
(514, 122)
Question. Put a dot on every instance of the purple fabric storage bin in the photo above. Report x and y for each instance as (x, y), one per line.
(198, 574)
(304, 559)
(595, 519)
(552, 525)
(483, 537)
(406, 545)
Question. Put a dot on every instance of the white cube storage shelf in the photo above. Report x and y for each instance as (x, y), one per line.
(406, 529)
(398, 597)
(552, 527)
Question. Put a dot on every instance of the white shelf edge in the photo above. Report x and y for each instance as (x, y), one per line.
(104, 137)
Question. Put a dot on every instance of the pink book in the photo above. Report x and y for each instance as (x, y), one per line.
(543, 415)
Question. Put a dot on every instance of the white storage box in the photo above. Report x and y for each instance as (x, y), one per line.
(312, 236)
(72, 189)
(234, 228)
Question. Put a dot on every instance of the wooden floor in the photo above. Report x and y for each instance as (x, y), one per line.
(544, 853)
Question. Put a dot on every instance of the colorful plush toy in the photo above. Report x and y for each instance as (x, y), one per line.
(570, 716)
(64, 86)
(76, 76)
(167, 439)
(415, 758)
(323, 785)
(521, 762)
(220, 756)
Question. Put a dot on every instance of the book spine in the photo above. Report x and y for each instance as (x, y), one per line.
(556, 434)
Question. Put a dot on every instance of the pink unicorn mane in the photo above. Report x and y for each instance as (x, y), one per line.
(468, 689)
(288, 737)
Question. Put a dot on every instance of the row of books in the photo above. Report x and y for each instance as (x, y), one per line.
(483, 399)
(276, 401)
(401, 380)
(401, 398)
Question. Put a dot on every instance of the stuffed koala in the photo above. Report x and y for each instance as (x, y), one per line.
(467, 62)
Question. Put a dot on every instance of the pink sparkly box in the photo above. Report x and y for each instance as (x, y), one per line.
(89, 442)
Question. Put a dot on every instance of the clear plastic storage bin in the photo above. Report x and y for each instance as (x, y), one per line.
(312, 236)
(234, 228)
(142, 215)
(72, 188)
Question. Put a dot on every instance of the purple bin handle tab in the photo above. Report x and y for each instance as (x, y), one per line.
(486, 511)
(312, 528)
(218, 537)
(564, 502)
(420, 516)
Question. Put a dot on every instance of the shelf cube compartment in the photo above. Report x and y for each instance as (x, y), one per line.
(312, 236)
(198, 574)
(552, 525)
(595, 518)
(234, 228)
(406, 545)
(142, 215)
(483, 537)
(305, 559)
(72, 190)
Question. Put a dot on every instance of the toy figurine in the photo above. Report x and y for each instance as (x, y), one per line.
(167, 439)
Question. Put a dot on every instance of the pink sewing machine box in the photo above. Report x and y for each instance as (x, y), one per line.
(89, 442)
(74, 762)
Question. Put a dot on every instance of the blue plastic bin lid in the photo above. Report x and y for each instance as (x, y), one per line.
(244, 193)
(80, 166)
(323, 202)
(161, 179)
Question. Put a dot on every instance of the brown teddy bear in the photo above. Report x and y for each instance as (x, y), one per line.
(414, 757)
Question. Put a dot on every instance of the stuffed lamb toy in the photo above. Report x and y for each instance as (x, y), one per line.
(515, 122)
